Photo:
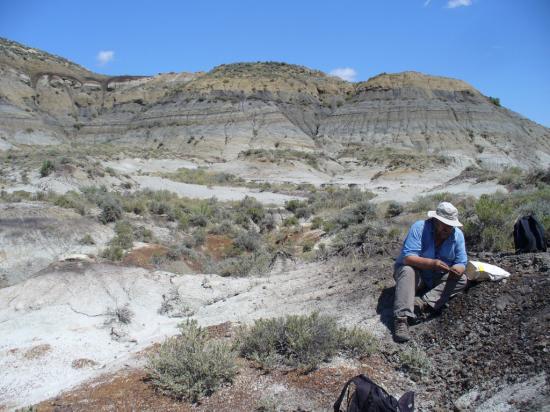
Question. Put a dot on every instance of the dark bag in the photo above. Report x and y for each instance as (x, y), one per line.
(369, 397)
(529, 235)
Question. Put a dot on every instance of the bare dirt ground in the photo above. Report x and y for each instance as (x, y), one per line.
(70, 309)
(252, 389)
(488, 352)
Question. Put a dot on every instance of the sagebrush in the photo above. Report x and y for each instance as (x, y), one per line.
(190, 365)
(302, 341)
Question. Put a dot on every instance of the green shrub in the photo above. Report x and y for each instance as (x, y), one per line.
(256, 263)
(204, 177)
(157, 207)
(316, 223)
(134, 205)
(292, 205)
(124, 235)
(370, 238)
(113, 252)
(334, 198)
(267, 404)
(302, 213)
(513, 177)
(356, 214)
(308, 246)
(415, 360)
(87, 240)
(247, 241)
(47, 168)
(142, 234)
(190, 366)
(252, 208)
(199, 237)
(267, 224)
(70, 200)
(290, 221)
(423, 204)
(16, 197)
(394, 209)
(300, 341)
(198, 219)
(357, 342)
(488, 227)
(223, 228)
(494, 100)
(540, 208)
(111, 210)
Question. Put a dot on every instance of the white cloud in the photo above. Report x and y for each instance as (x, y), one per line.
(345, 73)
(451, 4)
(105, 56)
(427, 3)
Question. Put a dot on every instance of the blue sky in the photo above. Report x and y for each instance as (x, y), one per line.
(501, 47)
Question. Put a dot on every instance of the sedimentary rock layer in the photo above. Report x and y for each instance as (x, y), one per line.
(45, 99)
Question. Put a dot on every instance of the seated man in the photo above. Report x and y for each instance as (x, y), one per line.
(433, 258)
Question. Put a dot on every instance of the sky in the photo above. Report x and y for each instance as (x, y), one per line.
(501, 47)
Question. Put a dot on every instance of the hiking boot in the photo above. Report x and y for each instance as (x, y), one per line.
(401, 329)
(420, 307)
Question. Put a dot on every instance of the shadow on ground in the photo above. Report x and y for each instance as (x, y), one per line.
(384, 308)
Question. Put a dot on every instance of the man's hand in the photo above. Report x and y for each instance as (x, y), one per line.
(439, 266)
(455, 272)
(442, 267)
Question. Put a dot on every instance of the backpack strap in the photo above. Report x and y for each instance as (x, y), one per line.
(364, 386)
(406, 402)
(342, 394)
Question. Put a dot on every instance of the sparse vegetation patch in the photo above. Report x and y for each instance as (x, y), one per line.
(301, 341)
(190, 365)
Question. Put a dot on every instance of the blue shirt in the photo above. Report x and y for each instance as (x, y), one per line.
(420, 241)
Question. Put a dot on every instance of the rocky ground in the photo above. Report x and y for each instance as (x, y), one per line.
(493, 339)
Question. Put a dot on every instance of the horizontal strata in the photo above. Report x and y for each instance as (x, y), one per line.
(240, 106)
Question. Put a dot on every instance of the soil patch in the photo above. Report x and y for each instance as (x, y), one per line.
(218, 246)
(142, 256)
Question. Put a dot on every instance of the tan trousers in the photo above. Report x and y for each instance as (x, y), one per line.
(409, 282)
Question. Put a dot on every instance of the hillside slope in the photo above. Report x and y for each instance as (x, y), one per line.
(46, 99)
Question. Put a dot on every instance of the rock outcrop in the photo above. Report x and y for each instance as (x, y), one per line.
(48, 100)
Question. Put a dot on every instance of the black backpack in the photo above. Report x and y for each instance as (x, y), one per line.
(529, 235)
(369, 397)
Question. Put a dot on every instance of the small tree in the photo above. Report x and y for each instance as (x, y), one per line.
(494, 100)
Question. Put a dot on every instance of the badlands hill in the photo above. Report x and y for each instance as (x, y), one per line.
(217, 115)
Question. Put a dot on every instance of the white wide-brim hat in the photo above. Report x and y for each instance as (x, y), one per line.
(446, 213)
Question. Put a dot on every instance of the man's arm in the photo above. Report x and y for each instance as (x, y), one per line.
(426, 263)
(459, 266)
